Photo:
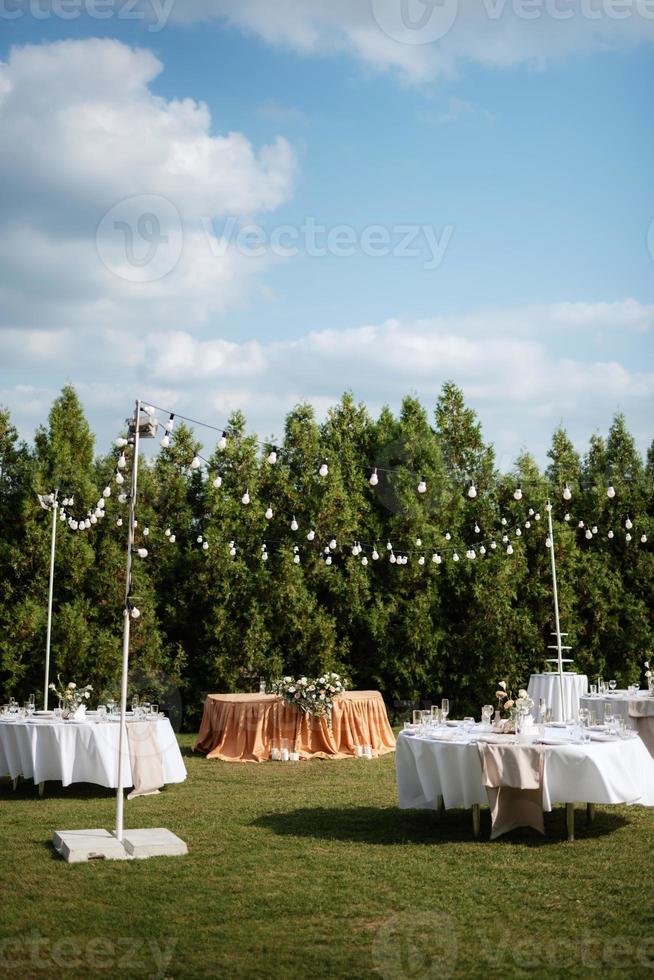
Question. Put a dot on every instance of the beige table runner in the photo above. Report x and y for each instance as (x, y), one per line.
(513, 777)
(146, 758)
(642, 710)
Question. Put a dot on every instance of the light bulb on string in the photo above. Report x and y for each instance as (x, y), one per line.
(272, 456)
(628, 524)
(505, 538)
(62, 515)
(448, 536)
(218, 482)
(222, 442)
(269, 513)
(311, 535)
(477, 529)
(594, 529)
(509, 549)
(375, 555)
(143, 552)
(392, 559)
(167, 532)
(364, 561)
(418, 542)
(170, 423)
(324, 469)
(548, 542)
(374, 479)
(566, 517)
(245, 499)
(332, 544)
(536, 517)
(172, 539)
(294, 524)
(205, 545)
(135, 613)
(504, 521)
(518, 532)
(643, 539)
(121, 443)
(93, 519)
(580, 524)
(589, 534)
(264, 556)
(472, 491)
(106, 492)
(196, 463)
(527, 525)
(610, 492)
(328, 560)
(548, 508)
(482, 550)
(455, 556)
(493, 545)
(119, 522)
(610, 535)
(517, 493)
(122, 498)
(122, 462)
(165, 442)
(567, 493)
(627, 536)
(389, 546)
(421, 560)
(436, 558)
(199, 539)
(531, 511)
(120, 479)
(472, 554)
(422, 486)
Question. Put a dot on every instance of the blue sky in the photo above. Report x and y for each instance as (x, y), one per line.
(528, 158)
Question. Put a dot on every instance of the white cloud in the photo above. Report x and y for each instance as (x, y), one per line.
(84, 136)
(435, 38)
(505, 360)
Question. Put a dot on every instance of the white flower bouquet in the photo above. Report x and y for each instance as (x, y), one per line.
(313, 696)
(71, 696)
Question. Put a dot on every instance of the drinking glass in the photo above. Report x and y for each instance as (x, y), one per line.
(445, 709)
(593, 690)
(542, 708)
(102, 712)
(408, 726)
(57, 713)
(435, 714)
(154, 710)
(487, 714)
(547, 720)
(417, 717)
(613, 685)
(32, 700)
(468, 723)
(262, 685)
(425, 717)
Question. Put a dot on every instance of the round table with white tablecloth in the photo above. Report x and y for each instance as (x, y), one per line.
(617, 703)
(79, 752)
(548, 687)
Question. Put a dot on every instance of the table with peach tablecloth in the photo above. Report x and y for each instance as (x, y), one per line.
(244, 727)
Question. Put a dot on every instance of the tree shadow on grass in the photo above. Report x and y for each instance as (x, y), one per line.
(391, 826)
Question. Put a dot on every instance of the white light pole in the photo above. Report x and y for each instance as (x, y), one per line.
(122, 738)
(559, 660)
(50, 503)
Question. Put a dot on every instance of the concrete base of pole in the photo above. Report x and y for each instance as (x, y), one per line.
(76, 846)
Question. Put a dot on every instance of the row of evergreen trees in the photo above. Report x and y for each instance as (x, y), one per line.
(214, 621)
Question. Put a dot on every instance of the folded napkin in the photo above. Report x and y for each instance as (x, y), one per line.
(513, 777)
(146, 759)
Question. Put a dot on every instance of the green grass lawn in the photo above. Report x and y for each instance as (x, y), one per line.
(311, 870)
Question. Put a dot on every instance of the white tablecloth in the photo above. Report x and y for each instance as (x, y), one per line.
(618, 703)
(547, 686)
(598, 772)
(70, 752)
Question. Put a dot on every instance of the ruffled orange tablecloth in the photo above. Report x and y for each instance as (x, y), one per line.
(243, 727)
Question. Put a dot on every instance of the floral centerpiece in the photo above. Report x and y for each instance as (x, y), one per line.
(313, 696)
(649, 678)
(71, 696)
(517, 708)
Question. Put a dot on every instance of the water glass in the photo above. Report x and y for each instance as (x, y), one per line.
(154, 710)
(102, 712)
(32, 701)
(262, 685)
(135, 702)
(425, 718)
(487, 714)
(445, 709)
(435, 715)
(593, 690)
(417, 717)
(468, 723)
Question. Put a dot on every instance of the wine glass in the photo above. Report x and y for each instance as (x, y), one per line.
(445, 709)
(542, 708)
(613, 685)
